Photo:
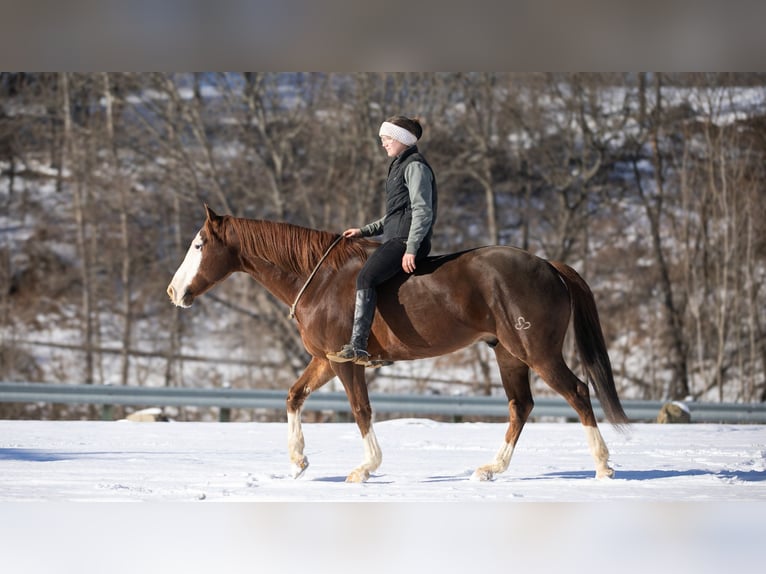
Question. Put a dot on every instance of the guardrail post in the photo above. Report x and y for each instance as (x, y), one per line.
(224, 413)
(107, 412)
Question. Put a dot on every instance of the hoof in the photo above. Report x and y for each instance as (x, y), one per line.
(482, 475)
(605, 473)
(298, 468)
(358, 475)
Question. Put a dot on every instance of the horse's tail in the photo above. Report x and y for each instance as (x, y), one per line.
(590, 343)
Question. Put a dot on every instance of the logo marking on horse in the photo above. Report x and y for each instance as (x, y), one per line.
(522, 324)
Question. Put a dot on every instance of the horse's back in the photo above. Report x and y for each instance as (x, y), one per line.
(493, 260)
(489, 272)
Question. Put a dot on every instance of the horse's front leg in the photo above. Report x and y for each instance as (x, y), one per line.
(372, 458)
(317, 373)
(354, 382)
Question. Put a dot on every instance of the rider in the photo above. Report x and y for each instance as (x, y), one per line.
(411, 202)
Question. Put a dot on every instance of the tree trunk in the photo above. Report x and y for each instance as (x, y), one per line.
(79, 194)
(679, 385)
(126, 263)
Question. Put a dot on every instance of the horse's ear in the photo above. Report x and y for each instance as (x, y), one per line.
(212, 216)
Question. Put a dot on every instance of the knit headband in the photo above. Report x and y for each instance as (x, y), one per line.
(398, 133)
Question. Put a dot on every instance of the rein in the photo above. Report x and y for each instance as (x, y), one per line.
(314, 272)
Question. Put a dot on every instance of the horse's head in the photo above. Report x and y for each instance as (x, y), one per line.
(209, 261)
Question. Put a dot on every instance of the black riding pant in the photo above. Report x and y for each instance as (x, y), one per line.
(385, 262)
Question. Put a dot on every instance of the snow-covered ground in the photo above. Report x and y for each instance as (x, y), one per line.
(422, 461)
(686, 498)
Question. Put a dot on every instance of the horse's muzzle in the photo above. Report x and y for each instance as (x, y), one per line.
(183, 301)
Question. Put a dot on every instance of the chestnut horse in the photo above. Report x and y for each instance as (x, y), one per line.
(517, 303)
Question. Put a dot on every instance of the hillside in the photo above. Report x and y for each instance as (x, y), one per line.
(651, 185)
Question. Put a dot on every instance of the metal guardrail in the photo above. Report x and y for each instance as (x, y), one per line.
(449, 405)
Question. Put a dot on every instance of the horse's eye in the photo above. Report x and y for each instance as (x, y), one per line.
(198, 246)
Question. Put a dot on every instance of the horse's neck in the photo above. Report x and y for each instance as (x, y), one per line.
(278, 279)
(284, 285)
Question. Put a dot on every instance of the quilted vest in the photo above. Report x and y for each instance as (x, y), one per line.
(398, 209)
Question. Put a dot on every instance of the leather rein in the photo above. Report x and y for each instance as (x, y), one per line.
(314, 272)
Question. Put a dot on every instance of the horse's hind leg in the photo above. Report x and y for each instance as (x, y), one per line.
(316, 374)
(515, 376)
(565, 382)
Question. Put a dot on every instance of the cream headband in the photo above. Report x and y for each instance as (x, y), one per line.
(398, 133)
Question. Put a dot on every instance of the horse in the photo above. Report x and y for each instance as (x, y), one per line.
(517, 303)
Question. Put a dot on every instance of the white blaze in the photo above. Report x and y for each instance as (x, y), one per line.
(186, 272)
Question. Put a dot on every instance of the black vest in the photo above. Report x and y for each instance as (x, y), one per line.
(398, 208)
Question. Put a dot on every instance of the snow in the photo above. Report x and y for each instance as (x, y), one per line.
(423, 460)
(641, 521)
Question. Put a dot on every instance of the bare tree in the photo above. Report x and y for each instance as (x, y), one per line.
(654, 206)
(126, 268)
(70, 161)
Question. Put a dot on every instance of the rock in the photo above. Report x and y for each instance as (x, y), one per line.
(151, 415)
(674, 412)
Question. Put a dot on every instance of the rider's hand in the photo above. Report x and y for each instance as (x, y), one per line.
(408, 263)
(353, 232)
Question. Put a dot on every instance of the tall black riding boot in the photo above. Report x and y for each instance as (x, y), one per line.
(364, 312)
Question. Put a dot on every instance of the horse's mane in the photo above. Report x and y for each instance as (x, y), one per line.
(295, 248)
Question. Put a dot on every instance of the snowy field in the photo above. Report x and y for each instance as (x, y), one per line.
(422, 461)
(686, 498)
